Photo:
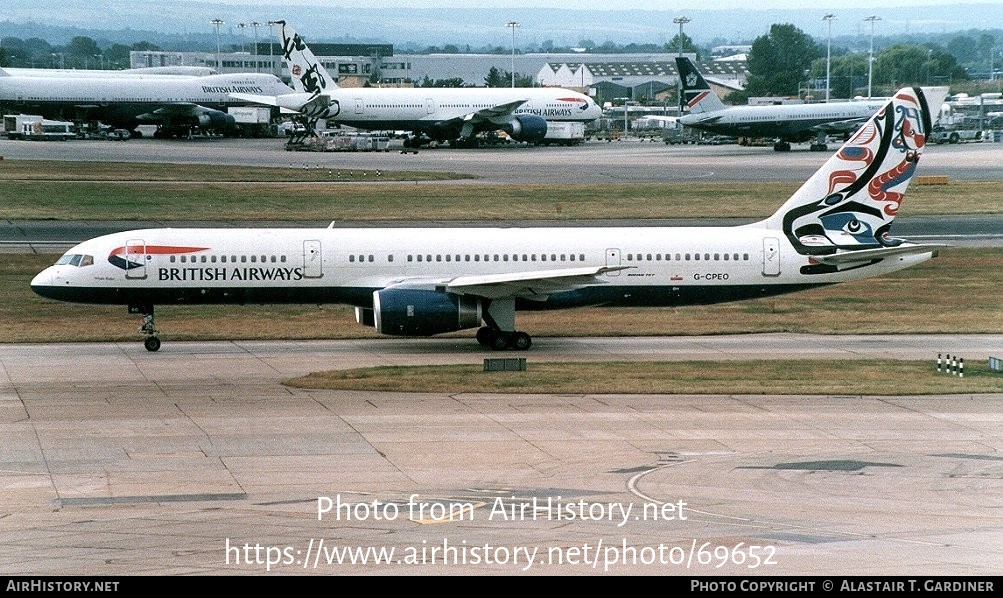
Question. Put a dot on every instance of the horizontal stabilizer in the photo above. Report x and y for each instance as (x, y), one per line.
(879, 253)
(289, 101)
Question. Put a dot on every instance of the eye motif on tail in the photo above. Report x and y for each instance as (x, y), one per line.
(862, 186)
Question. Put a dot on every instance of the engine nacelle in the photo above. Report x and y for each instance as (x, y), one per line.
(417, 312)
(217, 120)
(526, 127)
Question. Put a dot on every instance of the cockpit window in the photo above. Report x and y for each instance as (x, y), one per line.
(75, 259)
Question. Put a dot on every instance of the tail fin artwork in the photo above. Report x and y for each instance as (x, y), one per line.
(307, 73)
(843, 213)
(697, 95)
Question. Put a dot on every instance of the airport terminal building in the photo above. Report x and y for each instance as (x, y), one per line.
(605, 76)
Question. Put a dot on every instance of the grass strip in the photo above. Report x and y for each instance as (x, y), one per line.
(781, 377)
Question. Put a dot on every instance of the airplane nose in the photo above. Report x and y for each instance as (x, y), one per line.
(42, 278)
(43, 282)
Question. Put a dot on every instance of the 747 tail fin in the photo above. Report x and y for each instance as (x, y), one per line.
(696, 93)
(307, 73)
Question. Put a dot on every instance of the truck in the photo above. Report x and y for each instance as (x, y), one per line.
(35, 128)
(955, 135)
(13, 124)
(564, 133)
(252, 121)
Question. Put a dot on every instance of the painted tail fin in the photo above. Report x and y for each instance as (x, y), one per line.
(697, 94)
(307, 73)
(850, 202)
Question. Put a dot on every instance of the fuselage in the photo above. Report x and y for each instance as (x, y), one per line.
(120, 99)
(793, 122)
(657, 266)
(409, 108)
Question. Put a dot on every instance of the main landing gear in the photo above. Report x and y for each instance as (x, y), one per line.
(149, 327)
(500, 340)
(500, 332)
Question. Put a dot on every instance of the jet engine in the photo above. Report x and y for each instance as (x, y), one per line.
(420, 312)
(526, 127)
(216, 120)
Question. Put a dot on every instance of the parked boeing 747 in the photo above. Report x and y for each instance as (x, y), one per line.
(426, 281)
(441, 114)
(175, 103)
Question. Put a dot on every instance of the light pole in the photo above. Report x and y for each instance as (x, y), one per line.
(217, 23)
(243, 48)
(255, 25)
(870, 55)
(828, 53)
(271, 49)
(681, 21)
(513, 25)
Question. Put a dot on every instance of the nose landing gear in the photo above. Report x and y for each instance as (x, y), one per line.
(149, 327)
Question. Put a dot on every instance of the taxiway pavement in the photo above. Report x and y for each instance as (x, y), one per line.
(197, 460)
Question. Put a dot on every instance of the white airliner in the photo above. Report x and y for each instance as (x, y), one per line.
(173, 102)
(785, 123)
(441, 114)
(426, 281)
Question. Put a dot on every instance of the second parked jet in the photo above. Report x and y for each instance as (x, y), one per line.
(441, 114)
(788, 123)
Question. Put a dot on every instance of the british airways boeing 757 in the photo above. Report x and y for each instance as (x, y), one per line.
(441, 114)
(426, 281)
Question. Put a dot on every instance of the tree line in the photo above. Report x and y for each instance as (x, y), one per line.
(81, 52)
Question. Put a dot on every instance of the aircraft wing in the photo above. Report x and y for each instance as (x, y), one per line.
(529, 285)
(840, 126)
(879, 253)
(485, 115)
(174, 111)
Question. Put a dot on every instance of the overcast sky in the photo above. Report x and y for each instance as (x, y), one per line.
(667, 5)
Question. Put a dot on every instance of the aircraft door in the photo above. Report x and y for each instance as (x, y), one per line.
(613, 260)
(771, 257)
(312, 259)
(429, 106)
(360, 105)
(135, 259)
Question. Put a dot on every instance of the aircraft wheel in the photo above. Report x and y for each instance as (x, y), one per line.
(500, 342)
(486, 336)
(521, 341)
(152, 343)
